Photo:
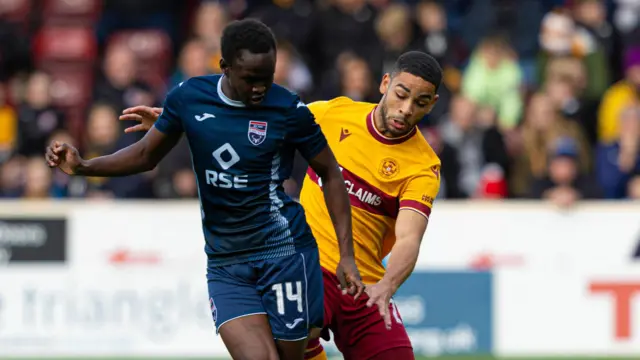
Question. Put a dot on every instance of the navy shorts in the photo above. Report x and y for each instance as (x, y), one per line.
(289, 290)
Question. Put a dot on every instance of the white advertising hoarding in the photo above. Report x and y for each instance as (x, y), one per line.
(133, 282)
(583, 311)
(147, 311)
(530, 235)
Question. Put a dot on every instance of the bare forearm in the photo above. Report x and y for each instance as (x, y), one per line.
(128, 161)
(402, 261)
(337, 201)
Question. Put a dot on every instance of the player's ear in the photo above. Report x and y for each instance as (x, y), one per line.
(224, 66)
(384, 84)
(433, 103)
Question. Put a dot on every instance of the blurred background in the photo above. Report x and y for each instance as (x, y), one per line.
(540, 101)
(540, 98)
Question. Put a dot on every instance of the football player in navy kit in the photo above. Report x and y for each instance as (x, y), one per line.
(263, 272)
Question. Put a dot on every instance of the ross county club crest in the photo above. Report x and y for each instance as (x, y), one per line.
(257, 132)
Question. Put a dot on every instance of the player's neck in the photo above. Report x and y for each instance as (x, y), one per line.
(227, 90)
(378, 122)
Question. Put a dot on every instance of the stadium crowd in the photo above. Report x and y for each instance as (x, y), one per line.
(541, 98)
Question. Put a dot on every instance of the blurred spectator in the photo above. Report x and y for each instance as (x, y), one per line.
(37, 116)
(395, 31)
(291, 72)
(450, 168)
(436, 40)
(37, 182)
(119, 85)
(356, 80)
(493, 79)
(166, 184)
(103, 138)
(565, 183)
(560, 37)
(184, 184)
(634, 187)
(191, 62)
(346, 25)
(627, 16)
(493, 183)
(565, 53)
(591, 20)
(619, 134)
(11, 178)
(542, 128)
(8, 127)
(565, 89)
(211, 18)
(477, 142)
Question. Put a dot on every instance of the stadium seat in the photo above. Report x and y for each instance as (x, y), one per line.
(65, 44)
(15, 10)
(153, 51)
(71, 12)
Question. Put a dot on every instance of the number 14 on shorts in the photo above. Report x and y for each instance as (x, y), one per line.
(292, 295)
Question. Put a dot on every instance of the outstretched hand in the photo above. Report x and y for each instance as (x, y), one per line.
(349, 277)
(63, 156)
(380, 295)
(145, 115)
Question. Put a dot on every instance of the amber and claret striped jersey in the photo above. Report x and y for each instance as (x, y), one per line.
(383, 175)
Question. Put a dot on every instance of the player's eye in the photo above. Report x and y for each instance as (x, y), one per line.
(401, 96)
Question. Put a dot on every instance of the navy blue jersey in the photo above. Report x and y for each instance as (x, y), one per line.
(241, 156)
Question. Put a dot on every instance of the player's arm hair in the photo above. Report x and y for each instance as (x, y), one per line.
(336, 198)
(410, 228)
(142, 156)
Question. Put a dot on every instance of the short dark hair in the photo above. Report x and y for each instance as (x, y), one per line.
(248, 34)
(420, 64)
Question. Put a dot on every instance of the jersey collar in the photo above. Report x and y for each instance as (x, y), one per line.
(225, 99)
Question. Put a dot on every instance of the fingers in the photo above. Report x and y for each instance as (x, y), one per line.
(136, 128)
(51, 158)
(372, 299)
(54, 153)
(383, 308)
(360, 287)
(356, 286)
(130, 117)
(141, 111)
(343, 283)
(136, 109)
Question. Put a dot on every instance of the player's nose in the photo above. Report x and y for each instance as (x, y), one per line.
(259, 89)
(406, 109)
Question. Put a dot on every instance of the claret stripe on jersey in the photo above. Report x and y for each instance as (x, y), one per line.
(364, 195)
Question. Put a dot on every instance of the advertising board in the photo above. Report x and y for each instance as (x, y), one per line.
(575, 311)
(447, 313)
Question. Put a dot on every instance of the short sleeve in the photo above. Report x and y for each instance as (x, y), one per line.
(304, 133)
(421, 190)
(318, 109)
(169, 121)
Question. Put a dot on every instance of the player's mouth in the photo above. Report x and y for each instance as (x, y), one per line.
(398, 124)
(256, 98)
